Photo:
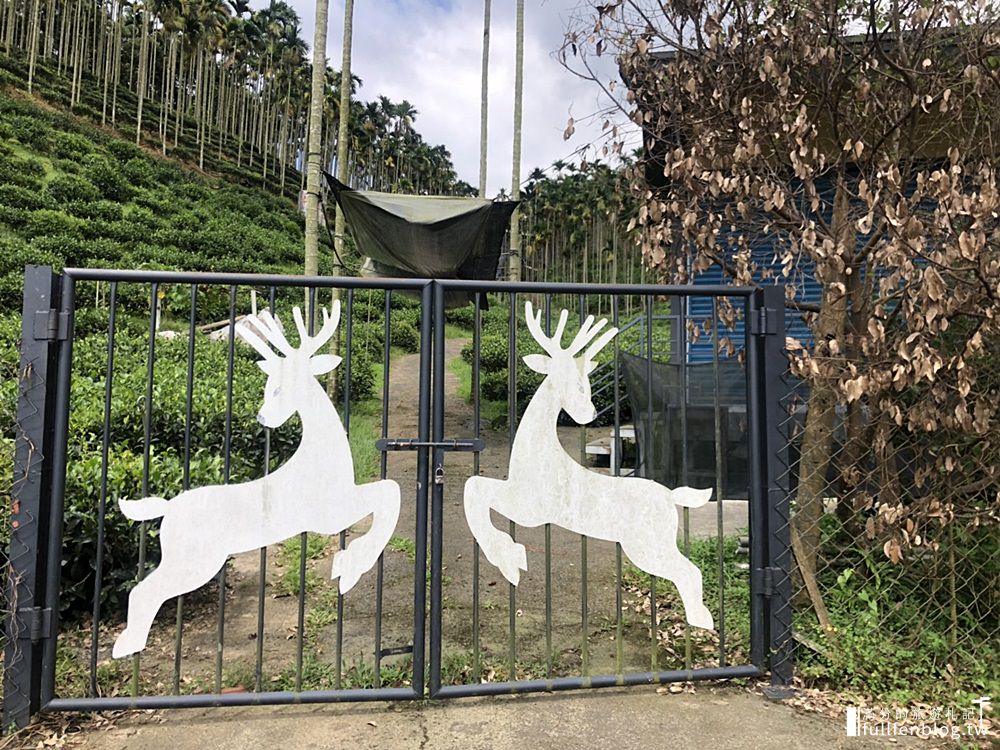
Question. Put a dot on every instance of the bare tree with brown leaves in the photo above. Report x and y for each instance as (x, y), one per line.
(859, 143)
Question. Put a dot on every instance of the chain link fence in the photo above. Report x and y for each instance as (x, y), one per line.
(896, 542)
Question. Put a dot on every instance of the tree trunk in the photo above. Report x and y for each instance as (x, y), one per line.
(515, 180)
(314, 150)
(143, 67)
(483, 99)
(817, 437)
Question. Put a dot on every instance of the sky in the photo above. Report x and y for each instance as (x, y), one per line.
(429, 52)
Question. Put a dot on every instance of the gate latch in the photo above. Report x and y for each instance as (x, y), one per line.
(38, 620)
(411, 444)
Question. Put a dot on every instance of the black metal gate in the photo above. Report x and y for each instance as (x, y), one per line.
(450, 646)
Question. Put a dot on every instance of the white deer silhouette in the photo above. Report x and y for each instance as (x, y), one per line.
(545, 485)
(313, 491)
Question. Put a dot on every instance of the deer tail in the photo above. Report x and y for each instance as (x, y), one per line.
(689, 497)
(143, 510)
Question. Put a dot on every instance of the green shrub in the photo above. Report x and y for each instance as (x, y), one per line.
(23, 198)
(464, 317)
(31, 131)
(13, 171)
(362, 376)
(70, 146)
(107, 177)
(125, 151)
(67, 188)
(139, 172)
(47, 222)
(406, 337)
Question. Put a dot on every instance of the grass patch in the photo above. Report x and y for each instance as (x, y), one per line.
(736, 584)
(406, 546)
(490, 412)
(365, 417)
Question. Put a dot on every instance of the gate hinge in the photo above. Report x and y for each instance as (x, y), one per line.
(38, 621)
(765, 322)
(50, 325)
(766, 579)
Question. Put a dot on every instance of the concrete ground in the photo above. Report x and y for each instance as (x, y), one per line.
(718, 718)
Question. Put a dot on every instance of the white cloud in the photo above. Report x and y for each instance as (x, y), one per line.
(430, 54)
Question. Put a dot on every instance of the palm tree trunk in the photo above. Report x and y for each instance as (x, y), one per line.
(483, 99)
(143, 67)
(34, 30)
(515, 180)
(314, 150)
(340, 225)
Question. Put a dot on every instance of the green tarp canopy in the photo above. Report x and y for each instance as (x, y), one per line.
(425, 236)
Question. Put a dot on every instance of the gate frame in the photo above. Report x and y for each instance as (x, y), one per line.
(40, 460)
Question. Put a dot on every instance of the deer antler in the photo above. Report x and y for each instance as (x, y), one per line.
(309, 345)
(587, 332)
(261, 330)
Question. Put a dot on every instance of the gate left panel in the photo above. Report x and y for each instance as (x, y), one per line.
(224, 528)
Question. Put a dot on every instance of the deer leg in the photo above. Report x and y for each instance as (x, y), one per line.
(144, 601)
(497, 545)
(664, 560)
(351, 563)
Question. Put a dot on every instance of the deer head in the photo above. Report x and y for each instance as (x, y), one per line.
(569, 373)
(291, 373)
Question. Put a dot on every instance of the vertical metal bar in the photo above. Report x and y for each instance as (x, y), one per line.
(719, 484)
(383, 468)
(147, 426)
(477, 325)
(647, 463)
(186, 478)
(262, 574)
(775, 393)
(103, 496)
(616, 464)
(226, 467)
(685, 450)
(348, 340)
(300, 634)
(757, 500)
(60, 431)
(511, 432)
(437, 490)
(584, 600)
(423, 473)
(23, 673)
(548, 541)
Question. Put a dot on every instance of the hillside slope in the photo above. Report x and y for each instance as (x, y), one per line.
(71, 194)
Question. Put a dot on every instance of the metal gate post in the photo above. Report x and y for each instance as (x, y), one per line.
(28, 620)
(774, 392)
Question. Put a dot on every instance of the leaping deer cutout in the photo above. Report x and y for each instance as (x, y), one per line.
(313, 491)
(545, 485)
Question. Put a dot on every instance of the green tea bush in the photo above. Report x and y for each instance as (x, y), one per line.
(464, 317)
(70, 146)
(139, 172)
(23, 198)
(15, 171)
(47, 221)
(31, 131)
(107, 177)
(406, 337)
(69, 188)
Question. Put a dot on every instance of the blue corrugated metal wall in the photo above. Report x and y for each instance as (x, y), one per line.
(699, 309)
